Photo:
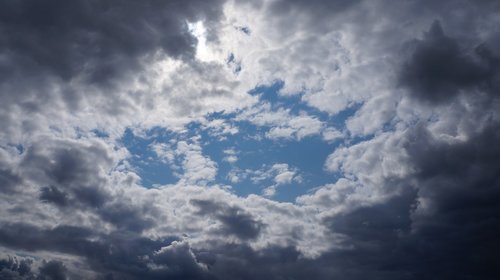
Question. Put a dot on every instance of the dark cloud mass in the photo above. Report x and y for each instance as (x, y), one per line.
(426, 207)
(52, 51)
(97, 39)
(234, 220)
(439, 68)
(460, 186)
(53, 270)
(444, 226)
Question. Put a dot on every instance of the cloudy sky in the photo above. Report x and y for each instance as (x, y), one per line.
(263, 139)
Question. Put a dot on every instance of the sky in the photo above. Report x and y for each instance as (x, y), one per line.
(234, 139)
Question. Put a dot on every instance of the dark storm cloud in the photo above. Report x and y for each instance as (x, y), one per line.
(126, 216)
(67, 239)
(120, 255)
(12, 268)
(455, 222)
(376, 241)
(97, 39)
(445, 223)
(439, 68)
(180, 263)
(52, 194)
(8, 180)
(459, 186)
(57, 56)
(238, 261)
(235, 221)
(53, 270)
(315, 7)
(73, 170)
(75, 178)
(376, 225)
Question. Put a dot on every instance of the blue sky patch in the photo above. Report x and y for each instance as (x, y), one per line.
(244, 155)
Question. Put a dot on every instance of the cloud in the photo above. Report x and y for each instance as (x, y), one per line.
(52, 194)
(280, 173)
(187, 157)
(53, 270)
(198, 169)
(234, 220)
(112, 64)
(12, 268)
(282, 124)
(177, 261)
(220, 128)
(404, 94)
(231, 155)
(94, 39)
(439, 69)
(69, 169)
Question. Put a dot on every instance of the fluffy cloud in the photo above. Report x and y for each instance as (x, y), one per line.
(282, 123)
(196, 168)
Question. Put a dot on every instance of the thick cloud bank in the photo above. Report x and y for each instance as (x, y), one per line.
(283, 139)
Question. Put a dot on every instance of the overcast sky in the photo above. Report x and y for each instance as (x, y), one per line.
(263, 139)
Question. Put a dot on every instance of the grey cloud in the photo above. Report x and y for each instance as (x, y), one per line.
(128, 217)
(442, 225)
(9, 180)
(99, 39)
(459, 187)
(371, 226)
(315, 7)
(180, 263)
(236, 221)
(53, 270)
(376, 240)
(125, 255)
(439, 68)
(72, 170)
(238, 261)
(58, 57)
(457, 182)
(28, 237)
(314, 15)
(12, 269)
(75, 178)
(54, 195)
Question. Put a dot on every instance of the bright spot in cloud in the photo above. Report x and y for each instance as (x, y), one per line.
(203, 51)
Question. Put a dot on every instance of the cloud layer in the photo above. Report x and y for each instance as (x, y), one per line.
(402, 100)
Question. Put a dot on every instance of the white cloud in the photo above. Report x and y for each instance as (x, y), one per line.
(331, 134)
(282, 124)
(231, 155)
(269, 191)
(187, 157)
(280, 173)
(164, 151)
(284, 174)
(219, 128)
(198, 169)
